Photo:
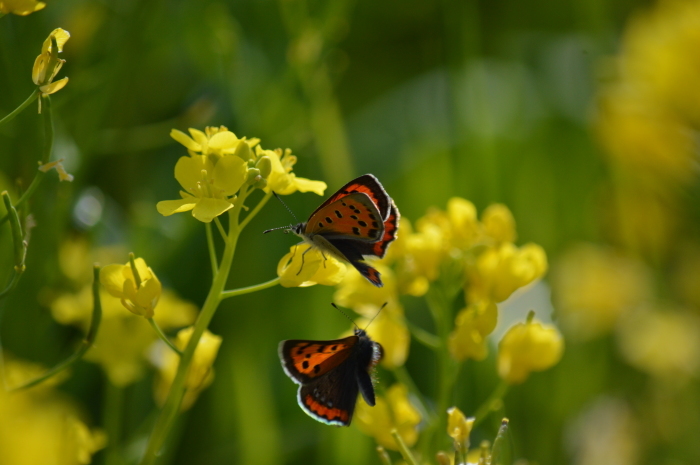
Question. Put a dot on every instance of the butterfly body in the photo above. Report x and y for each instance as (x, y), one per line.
(331, 373)
(359, 220)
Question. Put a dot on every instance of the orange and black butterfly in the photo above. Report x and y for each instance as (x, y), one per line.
(331, 373)
(359, 220)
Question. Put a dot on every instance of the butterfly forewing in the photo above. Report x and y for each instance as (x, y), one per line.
(366, 184)
(354, 216)
(306, 360)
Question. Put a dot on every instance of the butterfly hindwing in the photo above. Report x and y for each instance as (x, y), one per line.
(366, 184)
(331, 399)
(391, 226)
(353, 216)
(305, 360)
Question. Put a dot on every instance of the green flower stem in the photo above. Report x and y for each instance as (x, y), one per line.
(113, 420)
(19, 109)
(429, 340)
(20, 246)
(163, 337)
(249, 289)
(383, 456)
(212, 249)
(46, 154)
(85, 345)
(494, 401)
(403, 448)
(168, 414)
(221, 229)
(255, 210)
(134, 270)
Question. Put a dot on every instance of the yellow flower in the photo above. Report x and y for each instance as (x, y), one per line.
(200, 374)
(281, 180)
(123, 340)
(63, 175)
(593, 286)
(665, 344)
(47, 64)
(215, 141)
(139, 294)
(499, 223)
(355, 292)
(207, 186)
(391, 412)
(20, 7)
(41, 425)
(459, 428)
(528, 347)
(499, 271)
(315, 269)
(389, 329)
(472, 326)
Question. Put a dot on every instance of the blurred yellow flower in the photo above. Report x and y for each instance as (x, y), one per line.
(499, 223)
(123, 340)
(355, 292)
(459, 428)
(315, 269)
(47, 64)
(281, 180)
(214, 141)
(528, 347)
(42, 426)
(500, 270)
(472, 327)
(393, 411)
(20, 7)
(200, 374)
(207, 186)
(139, 294)
(665, 343)
(389, 329)
(593, 286)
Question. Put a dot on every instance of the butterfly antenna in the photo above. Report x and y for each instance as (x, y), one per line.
(375, 316)
(288, 209)
(345, 314)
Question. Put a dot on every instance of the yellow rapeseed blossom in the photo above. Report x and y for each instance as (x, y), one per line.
(315, 268)
(665, 344)
(472, 326)
(41, 425)
(593, 286)
(500, 270)
(47, 64)
(20, 7)
(499, 223)
(122, 343)
(282, 180)
(207, 185)
(139, 294)
(63, 175)
(528, 347)
(200, 374)
(215, 142)
(391, 412)
(355, 292)
(459, 428)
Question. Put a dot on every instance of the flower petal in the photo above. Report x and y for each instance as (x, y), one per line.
(307, 185)
(185, 140)
(207, 209)
(188, 172)
(224, 140)
(54, 86)
(229, 174)
(112, 278)
(292, 272)
(168, 207)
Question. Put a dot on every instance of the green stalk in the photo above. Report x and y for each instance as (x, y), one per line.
(212, 249)
(249, 289)
(19, 109)
(113, 420)
(403, 448)
(491, 404)
(163, 337)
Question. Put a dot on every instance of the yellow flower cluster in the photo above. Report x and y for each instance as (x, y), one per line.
(20, 7)
(47, 64)
(649, 115)
(220, 164)
(392, 411)
(41, 425)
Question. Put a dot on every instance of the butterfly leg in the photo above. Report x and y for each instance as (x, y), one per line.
(324, 258)
(302, 260)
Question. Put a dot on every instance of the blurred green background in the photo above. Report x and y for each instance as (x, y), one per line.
(491, 101)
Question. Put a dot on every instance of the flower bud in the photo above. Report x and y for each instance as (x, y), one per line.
(243, 150)
(264, 165)
(252, 176)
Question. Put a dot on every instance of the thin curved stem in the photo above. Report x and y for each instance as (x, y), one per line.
(249, 289)
(403, 448)
(9, 117)
(492, 403)
(212, 249)
(163, 337)
(85, 345)
(255, 210)
(220, 227)
(426, 338)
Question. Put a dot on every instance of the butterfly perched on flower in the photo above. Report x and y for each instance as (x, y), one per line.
(331, 373)
(359, 220)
